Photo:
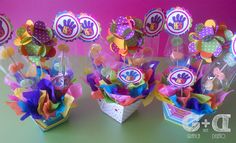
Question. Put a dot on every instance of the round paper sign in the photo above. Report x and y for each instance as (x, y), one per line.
(233, 45)
(66, 26)
(178, 21)
(90, 28)
(130, 75)
(181, 78)
(154, 22)
(5, 29)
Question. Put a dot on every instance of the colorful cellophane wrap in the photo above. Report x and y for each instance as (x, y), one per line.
(46, 91)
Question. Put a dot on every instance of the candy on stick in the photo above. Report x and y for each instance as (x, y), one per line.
(6, 30)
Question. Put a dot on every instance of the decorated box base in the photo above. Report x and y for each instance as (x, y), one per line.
(118, 112)
(179, 116)
(52, 122)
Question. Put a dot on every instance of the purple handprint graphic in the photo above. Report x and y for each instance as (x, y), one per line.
(88, 28)
(130, 75)
(2, 32)
(67, 27)
(178, 22)
(181, 78)
(155, 21)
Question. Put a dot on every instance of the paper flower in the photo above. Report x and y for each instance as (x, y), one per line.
(209, 39)
(125, 35)
(35, 41)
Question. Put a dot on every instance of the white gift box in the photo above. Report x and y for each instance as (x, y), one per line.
(118, 112)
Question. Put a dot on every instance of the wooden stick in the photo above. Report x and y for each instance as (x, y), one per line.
(14, 62)
(199, 67)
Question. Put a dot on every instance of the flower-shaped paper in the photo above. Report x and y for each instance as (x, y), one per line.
(125, 35)
(36, 41)
(209, 39)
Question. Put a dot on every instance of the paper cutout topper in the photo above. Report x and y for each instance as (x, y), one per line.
(130, 75)
(90, 28)
(209, 39)
(66, 26)
(154, 22)
(6, 29)
(178, 21)
(233, 45)
(181, 78)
